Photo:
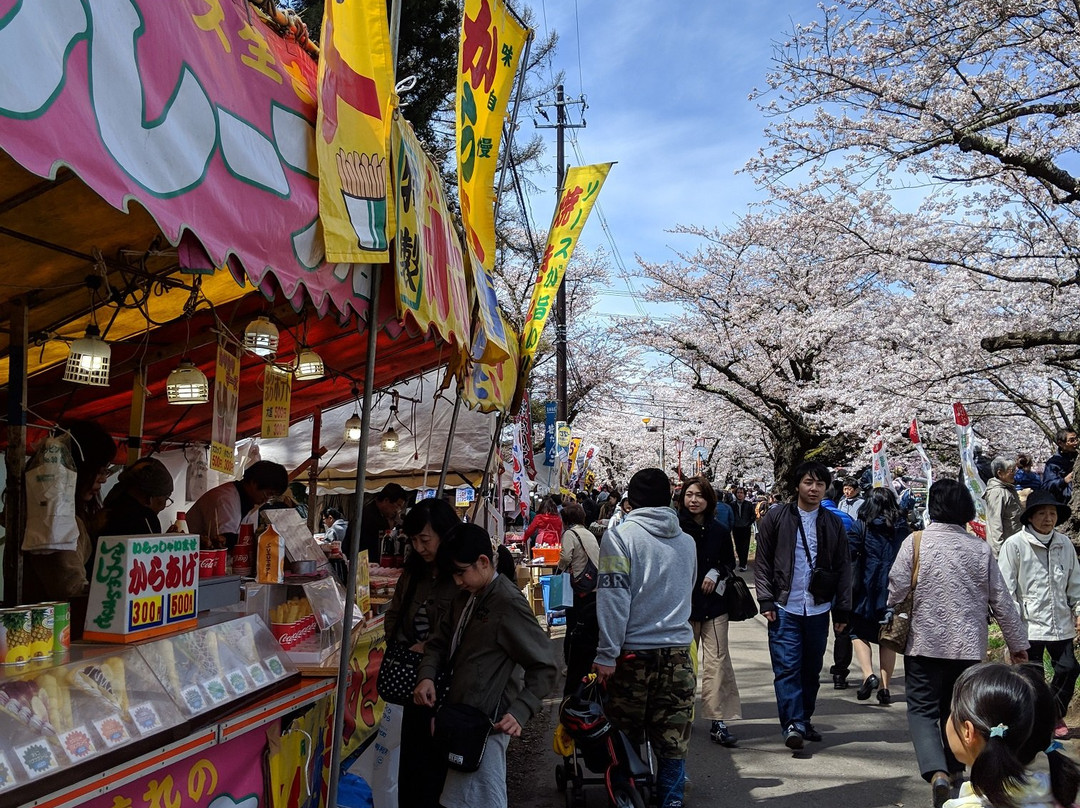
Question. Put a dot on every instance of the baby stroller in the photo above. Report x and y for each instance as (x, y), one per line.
(603, 750)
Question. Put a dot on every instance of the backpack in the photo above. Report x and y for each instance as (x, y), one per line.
(585, 583)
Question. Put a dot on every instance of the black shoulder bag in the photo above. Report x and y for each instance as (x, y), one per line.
(823, 583)
(585, 583)
(400, 664)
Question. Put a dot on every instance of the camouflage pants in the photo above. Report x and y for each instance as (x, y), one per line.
(652, 692)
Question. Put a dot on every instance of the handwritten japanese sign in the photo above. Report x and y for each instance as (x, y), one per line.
(226, 400)
(142, 586)
(277, 398)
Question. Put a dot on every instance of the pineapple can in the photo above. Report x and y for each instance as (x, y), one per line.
(14, 636)
(41, 631)
(61, 640)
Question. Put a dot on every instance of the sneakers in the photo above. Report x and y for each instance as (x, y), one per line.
(793, 739)
(810, 733)
(1061, 730)
(719, 733)
(839, 682)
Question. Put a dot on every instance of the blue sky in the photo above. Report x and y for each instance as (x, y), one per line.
(667, 86)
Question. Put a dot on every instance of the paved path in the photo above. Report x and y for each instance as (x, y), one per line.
(866, 758)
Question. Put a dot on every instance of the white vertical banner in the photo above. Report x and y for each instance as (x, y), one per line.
(927, 467)
(879, 462)
(965, 436)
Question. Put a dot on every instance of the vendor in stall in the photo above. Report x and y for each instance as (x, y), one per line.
(218, 513)
(142, 491)
(379, 516)
(64, 574)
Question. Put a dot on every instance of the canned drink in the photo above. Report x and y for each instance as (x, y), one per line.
(61, 626)
(41, 631)
(14, 636)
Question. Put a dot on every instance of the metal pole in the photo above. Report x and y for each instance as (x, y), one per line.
(449, 446)
(15, 457)
(560, 294)
(495, 440)
(313, 472)
(354, 549)
(663, 438)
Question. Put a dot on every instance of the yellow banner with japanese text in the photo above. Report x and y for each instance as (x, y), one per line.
(277, 400)
(491, 45)
(431, 284)
(226, 401)
(352, 135)
(581, 186)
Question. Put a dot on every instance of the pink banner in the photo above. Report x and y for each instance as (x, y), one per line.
(229, 776)
(196, 109)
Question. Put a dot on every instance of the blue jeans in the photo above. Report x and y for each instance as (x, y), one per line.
(797, 648)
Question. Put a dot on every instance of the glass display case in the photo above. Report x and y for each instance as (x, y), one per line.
(72, 716)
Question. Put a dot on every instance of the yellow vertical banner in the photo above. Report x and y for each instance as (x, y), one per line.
(430, 266)
(581, 186)
(226, 400)
(491, 44)
(277, 400)
(575, 446)
(352, 140)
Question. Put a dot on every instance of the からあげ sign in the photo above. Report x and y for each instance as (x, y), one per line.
(142, 586)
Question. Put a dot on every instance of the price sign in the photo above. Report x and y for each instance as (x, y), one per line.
(145, 612)
(464, 497)
(141, 586)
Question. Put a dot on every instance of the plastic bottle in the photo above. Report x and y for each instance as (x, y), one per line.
(180, 525)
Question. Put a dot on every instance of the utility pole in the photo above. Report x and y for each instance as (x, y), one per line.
(560, 126)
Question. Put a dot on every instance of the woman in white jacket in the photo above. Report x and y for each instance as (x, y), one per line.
(1042, 574)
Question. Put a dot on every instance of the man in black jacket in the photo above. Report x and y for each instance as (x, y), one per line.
(1058, 471)
(743, 510)
(802, 571)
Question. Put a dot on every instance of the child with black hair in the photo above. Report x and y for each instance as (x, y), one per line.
(502, 662)
(1002, 717)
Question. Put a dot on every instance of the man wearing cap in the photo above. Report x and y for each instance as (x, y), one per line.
(647, 570)
(1042, 574)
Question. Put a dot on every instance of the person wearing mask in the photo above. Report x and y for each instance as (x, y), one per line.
(708, 611)
(1042, 574)
(802, 572)
(503, 662)
(1058, 471)
(1002, 504)
(142, 491)
(422, 600)
(958, 585)
(217, 515)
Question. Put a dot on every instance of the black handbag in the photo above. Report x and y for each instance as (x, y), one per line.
(823, 583)
(585, 583)
(397, 676)
(461, 732)
(740, 603)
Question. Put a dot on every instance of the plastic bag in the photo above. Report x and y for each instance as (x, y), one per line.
(378, 764)
(50, 499)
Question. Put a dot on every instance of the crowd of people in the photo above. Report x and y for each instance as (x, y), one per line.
(651, 566)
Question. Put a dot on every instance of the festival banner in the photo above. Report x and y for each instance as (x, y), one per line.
(430, 266)
(363, 707)
(572, 464)
(927, 467)
(277, 401)
(965, 436)
(229, 775)
(491, 45)
(226, 400)
(520, 477)
(490, 48)
(581, 470)
(879, 459)
(524, 419)
(352, 134)
(562, 443)
(487, 387)
(581, 186)
(551, 410)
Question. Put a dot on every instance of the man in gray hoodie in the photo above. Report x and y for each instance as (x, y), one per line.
(647, 571)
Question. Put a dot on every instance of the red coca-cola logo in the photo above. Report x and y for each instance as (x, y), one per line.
(292, 634)
(206, 562)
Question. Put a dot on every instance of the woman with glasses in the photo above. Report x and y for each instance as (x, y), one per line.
(142, 491)
(421, 601)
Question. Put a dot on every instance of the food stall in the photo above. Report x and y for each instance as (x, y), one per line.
(160, 205)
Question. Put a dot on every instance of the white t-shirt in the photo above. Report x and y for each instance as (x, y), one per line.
(217, 512)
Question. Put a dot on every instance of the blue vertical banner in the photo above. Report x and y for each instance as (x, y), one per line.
(551, 410)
